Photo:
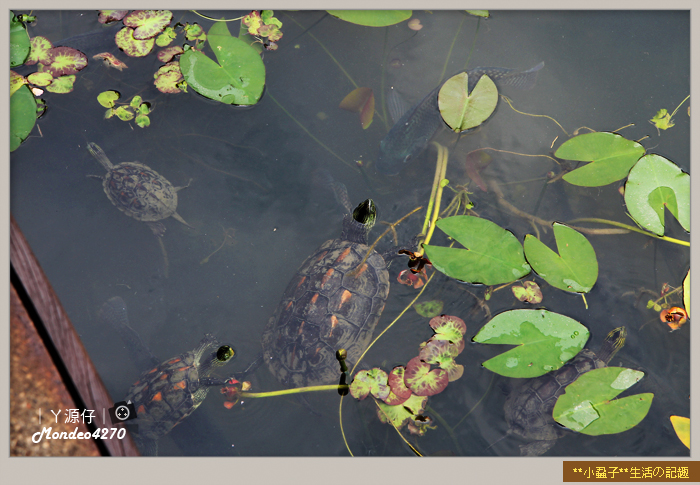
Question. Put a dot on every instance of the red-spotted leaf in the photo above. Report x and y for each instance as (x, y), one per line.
(366, 381)
(447, 327)
(40, 78)
(422, 381)
(62, 84)
(16, 82)
(401, 413)
(131, 46)
(107, 16)
(148, 23)
(399, 393)
(529, 292)
(360, 100)
(442, 353)
(166, 55)
(64, 61)
(167, 78)
(39, 51)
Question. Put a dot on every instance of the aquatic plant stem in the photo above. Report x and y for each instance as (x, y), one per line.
(471, 49)
(678, 107)
(507, 100)
(388, 419)
(298, 390)
(632, 228)
(435, 197)
(449, 53)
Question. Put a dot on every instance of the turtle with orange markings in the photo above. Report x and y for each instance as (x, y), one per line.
(333, 301)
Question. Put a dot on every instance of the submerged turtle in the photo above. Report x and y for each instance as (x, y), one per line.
(138, 191)
(334, 301)
(171, 390)
(529, 407)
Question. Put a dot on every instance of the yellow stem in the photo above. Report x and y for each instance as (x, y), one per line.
(633, 229)
(678, 107)
(298, 390)
(440, 171)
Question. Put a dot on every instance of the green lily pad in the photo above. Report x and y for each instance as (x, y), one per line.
(135, 102)
(574, 269)
(463, 110)
(263, 24)
(662, 120)
(16, 82)
(23, 111)
(686, 293)
(374, 380)
(39, 51)
(124, 113)
(681, 426)
(131, 46)
(61, 84)
(239, 76)
(493, 255)
(545, 341)
(19, 42)
(401, 413)
(654, 183)
(166, 37)
(422, 381)
(142, 121)
(40, 79)
(398, 393)
(529, 292)
(168, 77)
(588, 405)
(195, 32)
(147, 23)
(107, 98)
(479, 13)
(372, 18)
(450, 328)
(612, 157)
(429, 309)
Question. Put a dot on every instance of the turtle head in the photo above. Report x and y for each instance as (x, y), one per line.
(356, 227)
(366, 213)
(211, 354)
(612, 343)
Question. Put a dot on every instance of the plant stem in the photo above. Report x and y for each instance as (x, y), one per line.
(435, 197)
(675, 110)
(298, 390)
(633, 229)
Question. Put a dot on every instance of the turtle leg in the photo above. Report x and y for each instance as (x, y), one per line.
(158, 228)
(179, 218)
(184, 186)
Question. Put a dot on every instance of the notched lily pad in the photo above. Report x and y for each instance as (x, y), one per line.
(166, 37)
(463, 110)
(40, 78)
(64, 61)
(401, 413)
(168, 77)
(360, 100)
(429, 309)
(107, 98)
(148, 23)
(399, 393)
(142, 121)
(109, 16)
(442, 353)
(166, 55)
(374, 380)
(529, 292)
(39, 51)
(422, 381)
(61, 85)
(131, 46)
(124, 113)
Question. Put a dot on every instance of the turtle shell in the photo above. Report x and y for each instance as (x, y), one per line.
(140, 192)
(331, 303)
(166, 394)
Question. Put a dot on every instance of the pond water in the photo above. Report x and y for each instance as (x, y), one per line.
(253, 194)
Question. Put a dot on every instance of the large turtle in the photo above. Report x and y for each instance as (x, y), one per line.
(170, 390)
(334, 301)
(138, 191)
(529, 407)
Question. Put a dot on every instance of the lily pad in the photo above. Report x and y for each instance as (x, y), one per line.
(479, 13)
(399, 393)
(108, 16)
(529, 292)
(401, 413)
(16, 82)
(195, 32)
(19, 42)
(166, 37)
(61, 84)
(168, 77)
(124, 113)
(166, 55)
(662, 120)
(360, 100)
(686, 293)
(442, 353)
(22, 116)
(263, 24)
(588, 405)
(39, 51)
(681, 426)
(147, 23)
(64, 61)
(374, 380)
(463, 110)
(142, 121)
(372, 18)
(493, 255)
(612, 157)
(429, 309)
(422, 381)
(450, 328)
(654, 183)
(107, 98)
(574, 269)
(131, 46)
(545, 341)
(239, 76)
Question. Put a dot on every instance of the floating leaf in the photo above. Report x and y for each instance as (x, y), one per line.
(360, 100)
(107, 16)
(493, 255)
(529, 292)
(23, 110)
(366, 381)
(479, 13)
(166, 38)
(401, 413)
(372, 18)
(131, 46)
(135, 102)
(442, 353)
(429, 309)
(168, 77)
(399, 393)
(110, 60)
(612, 157)
(450, 328)
(107, 98)
(39, 51)
(263, 25)
(681, 426)
(61, 85)
(239, 76)
(588, 405)
(414, 24)
(40, 78)
(662, 120)
(195, 32)
(654, 183)
(124, 113)
(64, 61)
(545, 341)
(477, 160)
(147, 23)
(422, 381)
(686, 293)
(574, 269)
(463, 110)
(19, 42)
(418, 425)
(166, 55)
(16, 82)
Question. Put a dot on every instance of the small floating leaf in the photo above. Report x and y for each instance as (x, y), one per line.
(574, 269)
(166, 55)
(479, 13)
(611, 156)
(529, 292)
(168, 77)
(135, 102)
(545, 341)
(166, 37)
(131, 46)
(429, 309)
(492, 255)
(414, 24)
(107, 16)
(372, 18)
(366, 381)
(442, 353)
(124, 113)
(147, 23)
(107, 98)
(40, 78)
(422, 381)
(654, 183)
(23, 112)
(401, 413)
(662, 120)
(360, 100)
(40, 51)
(463, 110)
(64, 61)
(61, 84)
(681, 426)
(588, 405)
(399, 393)
(450, 328)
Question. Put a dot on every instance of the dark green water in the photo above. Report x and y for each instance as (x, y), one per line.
(252, 177)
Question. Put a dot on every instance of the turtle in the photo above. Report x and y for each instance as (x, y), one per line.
(172, 389)
(529, 407)
(138, 191)
(333, 301)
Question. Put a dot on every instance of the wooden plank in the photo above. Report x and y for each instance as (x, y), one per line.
(65, 339)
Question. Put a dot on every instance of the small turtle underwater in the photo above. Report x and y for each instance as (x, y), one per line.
(171, 390)
(138, 191)
(529, 406)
